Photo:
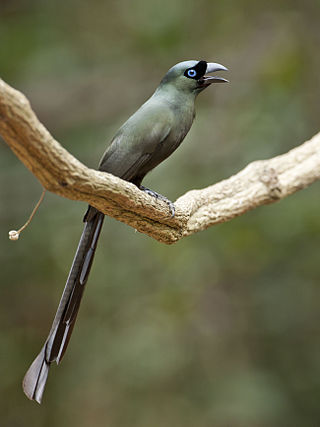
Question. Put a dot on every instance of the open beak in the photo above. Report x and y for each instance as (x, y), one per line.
(211, 68)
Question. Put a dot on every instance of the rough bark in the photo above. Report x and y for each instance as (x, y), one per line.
(261, 182)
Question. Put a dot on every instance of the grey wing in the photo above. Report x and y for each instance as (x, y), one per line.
(133, 147)
(120, 162)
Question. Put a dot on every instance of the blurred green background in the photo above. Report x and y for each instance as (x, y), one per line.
(221, 329)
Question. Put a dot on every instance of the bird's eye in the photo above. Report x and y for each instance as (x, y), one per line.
(191, 73)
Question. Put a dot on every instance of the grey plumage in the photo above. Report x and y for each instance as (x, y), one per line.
(147, 138)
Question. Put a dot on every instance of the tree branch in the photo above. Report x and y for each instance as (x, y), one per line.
(261, 182)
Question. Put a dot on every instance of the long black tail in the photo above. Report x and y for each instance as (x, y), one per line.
(56, 344)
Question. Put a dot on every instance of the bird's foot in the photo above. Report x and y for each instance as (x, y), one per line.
(160, 197)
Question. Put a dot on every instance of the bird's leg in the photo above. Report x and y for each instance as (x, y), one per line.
(160, 197)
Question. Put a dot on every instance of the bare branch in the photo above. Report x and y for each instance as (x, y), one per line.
(261, 182)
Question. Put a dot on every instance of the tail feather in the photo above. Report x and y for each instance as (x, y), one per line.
(36, 377)
(62, 327)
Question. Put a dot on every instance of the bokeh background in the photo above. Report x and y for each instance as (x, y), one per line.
(220, 329)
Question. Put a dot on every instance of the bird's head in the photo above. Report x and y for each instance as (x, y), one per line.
(191, 76)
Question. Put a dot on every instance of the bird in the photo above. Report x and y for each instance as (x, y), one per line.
(147, 138)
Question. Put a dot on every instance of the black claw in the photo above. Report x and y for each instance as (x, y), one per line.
(160, 197)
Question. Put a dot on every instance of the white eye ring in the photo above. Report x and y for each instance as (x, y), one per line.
(192, 73)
